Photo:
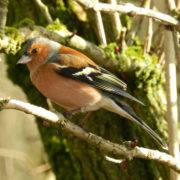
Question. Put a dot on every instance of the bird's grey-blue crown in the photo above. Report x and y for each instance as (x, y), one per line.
(41, 40)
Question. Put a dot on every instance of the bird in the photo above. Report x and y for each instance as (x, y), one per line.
(75, 82)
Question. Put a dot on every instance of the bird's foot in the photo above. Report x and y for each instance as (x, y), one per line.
(134, 143)
(123, 164)
(46, 124)
(130, 144)
(69, 114)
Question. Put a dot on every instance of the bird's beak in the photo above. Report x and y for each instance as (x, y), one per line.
(24, 59)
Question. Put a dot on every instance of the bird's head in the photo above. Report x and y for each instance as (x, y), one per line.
(37, 51)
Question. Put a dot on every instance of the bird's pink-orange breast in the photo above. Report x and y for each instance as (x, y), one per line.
(64, 91)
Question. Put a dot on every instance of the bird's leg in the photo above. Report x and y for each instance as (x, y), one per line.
(123, 164)
(49, 103)
(68, 114)
(132, 146)
(85, 119)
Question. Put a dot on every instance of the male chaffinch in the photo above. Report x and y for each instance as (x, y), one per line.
(75, 82)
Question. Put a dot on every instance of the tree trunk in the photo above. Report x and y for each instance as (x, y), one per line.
(72, 158)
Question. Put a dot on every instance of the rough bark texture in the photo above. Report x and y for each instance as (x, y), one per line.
(70, 157)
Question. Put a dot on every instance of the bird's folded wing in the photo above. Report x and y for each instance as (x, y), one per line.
(79, 69)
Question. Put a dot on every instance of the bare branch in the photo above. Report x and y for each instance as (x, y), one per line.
(116, 22)
(148, 39)
(44, 11)
(136, 24)
(102, 144)
(171, 4)
(176, 36)
(42, 168)
(131, 9)
(3, 14)
(100, 27)
(171, 89)
(25, 159)
(11, 153)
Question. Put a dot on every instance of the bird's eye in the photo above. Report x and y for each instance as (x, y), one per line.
(35, 50)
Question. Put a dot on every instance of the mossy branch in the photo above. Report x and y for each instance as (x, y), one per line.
(58, 121)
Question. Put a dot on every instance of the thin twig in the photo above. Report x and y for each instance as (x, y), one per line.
(3, 14)
(136, 24)
(44, 11)
(148, 39)
(161, 59)
(42, 168)
(99, 142)
(116, 22)
(117, 161)
(100, 27)
(176, 36)
(131, 9)
(11, 153)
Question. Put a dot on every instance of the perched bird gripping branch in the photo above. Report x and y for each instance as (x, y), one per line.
(75, 82)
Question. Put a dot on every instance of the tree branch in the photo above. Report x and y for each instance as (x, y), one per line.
(116, 22)
(130, 9)
(3, 14)
(149, 34)
(171, 93)
(57, 120)
(44, 10)
(100, 28)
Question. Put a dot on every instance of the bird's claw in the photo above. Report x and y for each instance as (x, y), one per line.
(123, 164)
(46, 124)
(134, 143)
(67, 114)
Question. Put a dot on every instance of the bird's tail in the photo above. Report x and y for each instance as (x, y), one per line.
(130, 114)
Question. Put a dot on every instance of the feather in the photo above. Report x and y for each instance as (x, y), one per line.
(93, 75)
(132, 116)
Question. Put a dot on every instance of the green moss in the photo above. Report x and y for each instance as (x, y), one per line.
(57, 25)
(145, 78)
(11, 43)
